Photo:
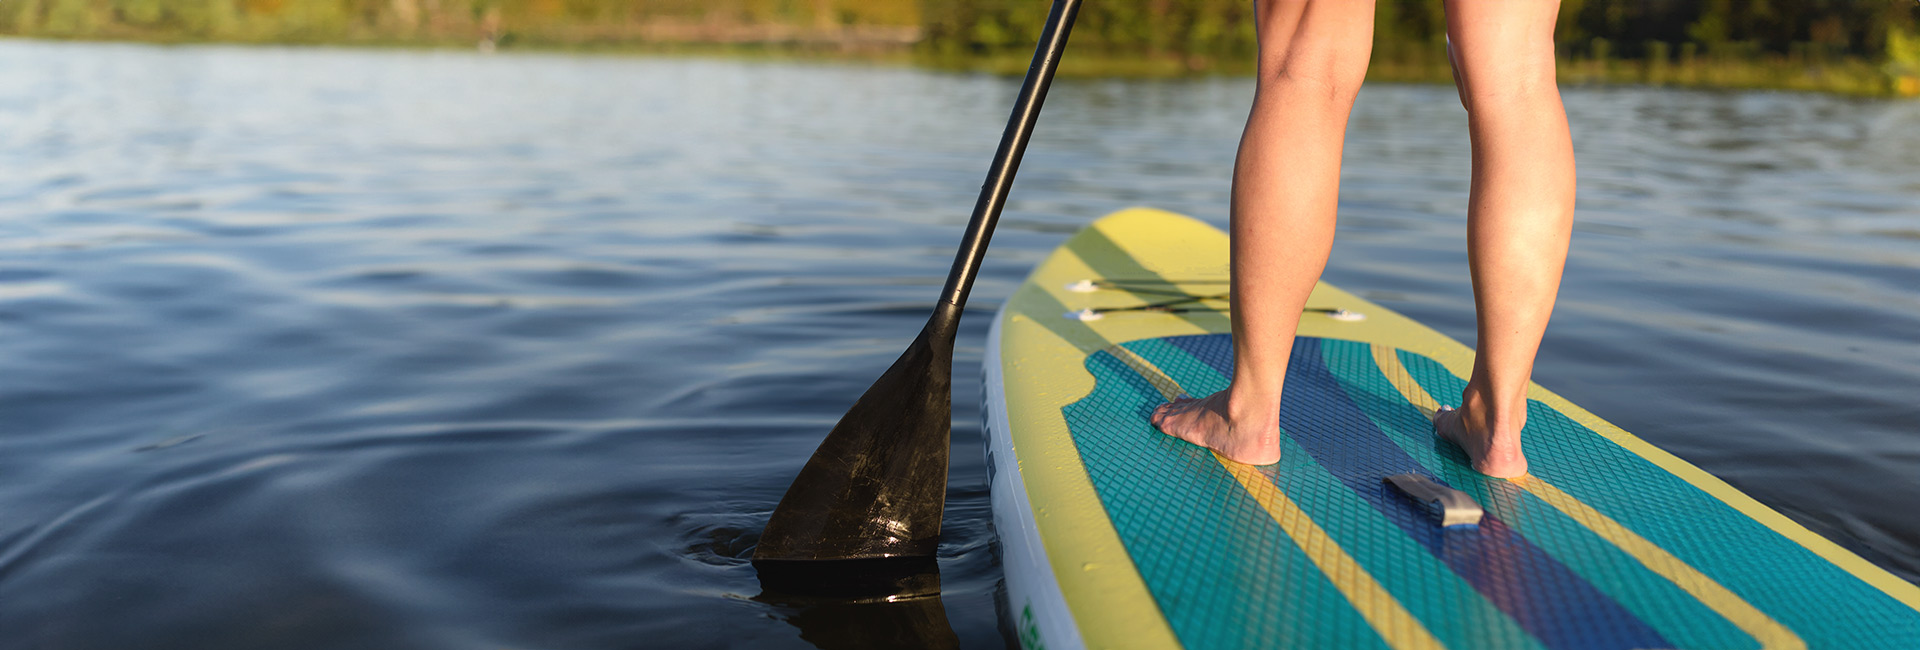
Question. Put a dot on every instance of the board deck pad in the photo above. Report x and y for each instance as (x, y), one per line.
(1606, 544)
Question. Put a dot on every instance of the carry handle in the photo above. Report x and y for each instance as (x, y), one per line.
(1456, 508)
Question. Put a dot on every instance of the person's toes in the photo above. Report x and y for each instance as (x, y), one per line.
(1166, 411)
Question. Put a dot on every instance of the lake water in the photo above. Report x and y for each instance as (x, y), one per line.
(318, 348)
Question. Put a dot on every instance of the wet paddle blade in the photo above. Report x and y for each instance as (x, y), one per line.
(877, 485)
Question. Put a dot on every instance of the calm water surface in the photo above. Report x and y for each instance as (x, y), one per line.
(375, 349)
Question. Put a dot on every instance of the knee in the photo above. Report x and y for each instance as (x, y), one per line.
(1486, 83)
(1337, 77)
(1521, 88)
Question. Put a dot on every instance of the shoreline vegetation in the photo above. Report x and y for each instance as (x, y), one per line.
(1858, 47)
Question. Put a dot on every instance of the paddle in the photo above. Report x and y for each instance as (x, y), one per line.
(870, 499)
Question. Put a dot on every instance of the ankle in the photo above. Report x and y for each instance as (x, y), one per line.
(1246, 402)
(1496, 415)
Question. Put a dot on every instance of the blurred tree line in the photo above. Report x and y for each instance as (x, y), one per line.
(1600, 28)
(1863, 46)
(543, 22)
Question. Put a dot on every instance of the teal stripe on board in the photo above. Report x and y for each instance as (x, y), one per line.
(1826, 606)
(1677, 615)
(1223, 573)
(1448, 606)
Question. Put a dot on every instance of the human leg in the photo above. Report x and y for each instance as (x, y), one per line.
(1519, 214)
(1286, 181)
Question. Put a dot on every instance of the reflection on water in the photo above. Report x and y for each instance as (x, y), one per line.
(315, 348)
(915, 618)
(913, 623)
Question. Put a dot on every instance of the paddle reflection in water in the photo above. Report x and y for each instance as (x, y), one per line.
(915, 620)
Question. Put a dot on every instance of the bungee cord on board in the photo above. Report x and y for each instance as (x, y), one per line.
(1181, 302)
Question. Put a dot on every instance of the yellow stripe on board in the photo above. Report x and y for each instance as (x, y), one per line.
(1388, 359)
(1395, 624)
(1770, 633)
(1169, 389)
(1379, 607)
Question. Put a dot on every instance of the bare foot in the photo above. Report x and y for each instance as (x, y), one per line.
(1494, 448)
(1253, 439)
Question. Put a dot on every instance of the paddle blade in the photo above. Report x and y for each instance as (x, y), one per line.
(877, 486)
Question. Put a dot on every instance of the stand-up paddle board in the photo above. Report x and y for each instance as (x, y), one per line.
(1117, 536)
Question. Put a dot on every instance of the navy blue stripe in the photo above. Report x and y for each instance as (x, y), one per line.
(1543, 596)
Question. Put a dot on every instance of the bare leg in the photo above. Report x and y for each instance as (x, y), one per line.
(1286, 183)
(1519, 217)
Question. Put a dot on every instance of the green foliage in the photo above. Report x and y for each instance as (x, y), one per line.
(1811, 44)
(1819, 44)
(1193, 33)
(442, 21)
(1903, 61)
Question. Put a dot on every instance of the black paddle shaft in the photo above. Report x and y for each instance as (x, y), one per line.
(1006, 161)
(875, 490)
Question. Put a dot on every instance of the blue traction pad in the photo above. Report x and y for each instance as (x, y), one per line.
(1226, 575)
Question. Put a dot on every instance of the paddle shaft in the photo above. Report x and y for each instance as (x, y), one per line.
(1006, 162)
